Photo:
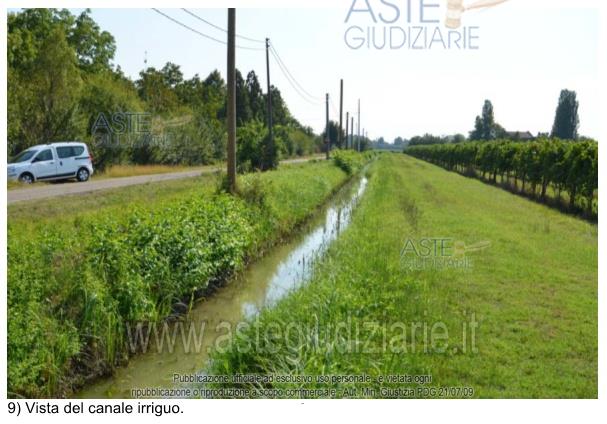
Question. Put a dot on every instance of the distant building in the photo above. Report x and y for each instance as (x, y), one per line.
(520, 135)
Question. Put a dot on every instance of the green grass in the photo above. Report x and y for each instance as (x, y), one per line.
(532, 292)
(78, 276)
(63, 209)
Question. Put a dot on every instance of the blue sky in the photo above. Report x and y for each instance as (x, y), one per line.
(527, 54)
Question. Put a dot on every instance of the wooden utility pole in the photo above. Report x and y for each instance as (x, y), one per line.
(232, 99)
(270, 147)
(327, 140)
(341, 109)
(352, 132)
(347, 128)
(358, 127)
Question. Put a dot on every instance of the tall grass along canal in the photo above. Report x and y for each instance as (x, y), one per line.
(82, 280)
(176, 352)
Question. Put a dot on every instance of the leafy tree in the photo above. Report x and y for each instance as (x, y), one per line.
(243, 107)
(94, 48)
(255, 97)
(333, 134)
(214, 96)
(459, 138)
(29, 29)
(566, 120)
(477, 133)
(172, 75)
(250, 147)
(48, 111)
(106, 95)
(485, 127)
(488, 122)
(155, 90)
(280, 111)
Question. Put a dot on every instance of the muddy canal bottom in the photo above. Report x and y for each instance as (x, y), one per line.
(183, 348)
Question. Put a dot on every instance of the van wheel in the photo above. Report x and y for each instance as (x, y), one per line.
(26, 178)
(82, 175)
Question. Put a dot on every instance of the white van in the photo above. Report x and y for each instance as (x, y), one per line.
(55, 161)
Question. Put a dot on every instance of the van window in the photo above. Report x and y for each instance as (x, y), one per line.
(64, 152)
(69, 151)
(44, 155)
(23, 156)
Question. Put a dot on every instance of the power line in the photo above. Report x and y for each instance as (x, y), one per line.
(220, 28)
(288, 78)
(200, 33)
(278, 59)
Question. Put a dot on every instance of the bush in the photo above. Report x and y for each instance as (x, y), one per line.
(351, 161)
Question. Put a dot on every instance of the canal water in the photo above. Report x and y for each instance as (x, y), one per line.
(183, 347)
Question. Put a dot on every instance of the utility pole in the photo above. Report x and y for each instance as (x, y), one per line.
(270, 148)
(327, 141)
(347, 128)
(358, 128)
(352, 132)
(232, 99)
(341, 112)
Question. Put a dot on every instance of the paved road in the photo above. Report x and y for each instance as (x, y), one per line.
(62, 189)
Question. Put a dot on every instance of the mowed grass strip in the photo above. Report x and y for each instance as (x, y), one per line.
(530, 294)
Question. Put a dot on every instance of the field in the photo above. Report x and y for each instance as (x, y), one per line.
(80, 274)
(506, 305)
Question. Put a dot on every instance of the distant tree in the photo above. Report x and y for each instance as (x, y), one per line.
(255, 97)
(485, 127)
(154, 89)
(280, 111)
(398, 141)
(172, 74)
(477, 133)
(214, 96)
(427, 139)
(566, 120)
(488, 121)
(333, 134)
(459, 138)
(243, 108)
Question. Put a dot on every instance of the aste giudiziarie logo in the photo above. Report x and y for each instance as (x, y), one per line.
(413, 24)
(439, 253)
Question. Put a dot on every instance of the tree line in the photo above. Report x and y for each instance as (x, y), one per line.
(531, 168)
(63, 85)
(565, 126)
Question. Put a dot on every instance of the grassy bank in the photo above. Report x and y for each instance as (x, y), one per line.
(508, 308)
(78, 278)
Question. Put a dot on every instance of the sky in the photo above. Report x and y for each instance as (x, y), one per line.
(527, 52)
